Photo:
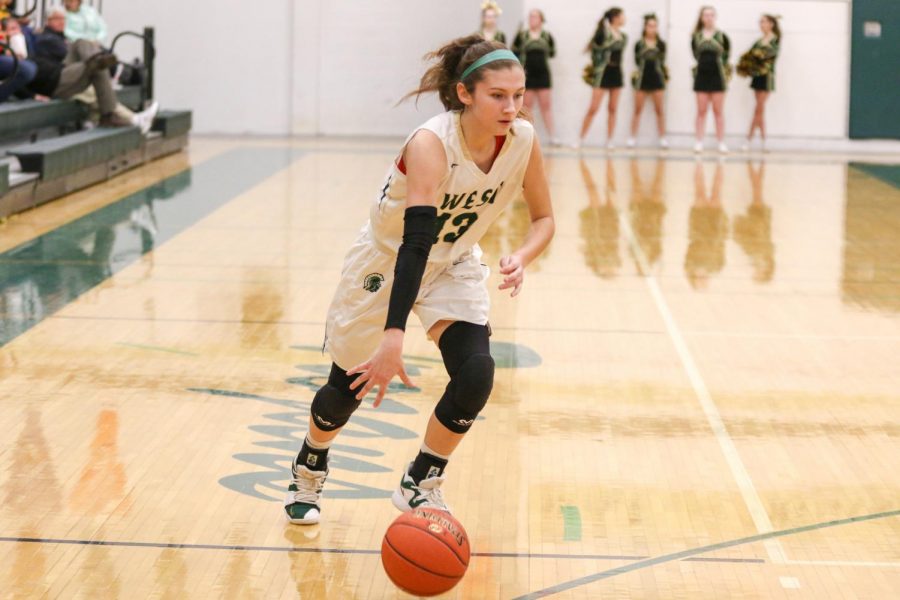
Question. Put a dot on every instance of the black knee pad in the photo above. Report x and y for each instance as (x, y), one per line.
(335, 401)
(466, 351)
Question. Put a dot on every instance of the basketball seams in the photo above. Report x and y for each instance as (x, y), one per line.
(432, 534)
(417, 565)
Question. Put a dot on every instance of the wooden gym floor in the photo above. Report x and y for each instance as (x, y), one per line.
(698, 393)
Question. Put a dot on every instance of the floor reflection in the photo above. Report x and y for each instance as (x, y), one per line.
(101, 484)
(871, 270)
(647, 209)
(262, 304)
(708, 229)
(753, 229)
(30, 491)
(43, 275)
(506, 235)
(600, 224)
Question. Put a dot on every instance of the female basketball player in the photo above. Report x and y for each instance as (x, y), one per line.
(605, 73)
(764, 84)
(418, 252)
(711, 48)
(650, 80)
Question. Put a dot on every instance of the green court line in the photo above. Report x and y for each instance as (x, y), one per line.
(889, 174)
(650, 562)
(571, 523)
(56, 268)
(156, 349)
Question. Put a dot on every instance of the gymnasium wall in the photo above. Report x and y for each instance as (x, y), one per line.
(338, 67)
(231, 66)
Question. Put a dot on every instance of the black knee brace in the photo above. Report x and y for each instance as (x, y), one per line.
(335, 401)
(466, 350)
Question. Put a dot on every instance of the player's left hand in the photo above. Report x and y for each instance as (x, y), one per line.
(513, 272)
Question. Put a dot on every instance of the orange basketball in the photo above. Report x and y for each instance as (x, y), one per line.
(425, 551)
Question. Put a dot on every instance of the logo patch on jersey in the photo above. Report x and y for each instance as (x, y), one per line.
(373, 282)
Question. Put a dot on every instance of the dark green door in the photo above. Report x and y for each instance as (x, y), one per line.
(875, 70)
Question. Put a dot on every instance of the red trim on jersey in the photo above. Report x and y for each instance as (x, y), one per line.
(498, 146)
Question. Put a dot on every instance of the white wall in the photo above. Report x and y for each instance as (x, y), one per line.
(368, 55)
(230, 65)
(338, 67)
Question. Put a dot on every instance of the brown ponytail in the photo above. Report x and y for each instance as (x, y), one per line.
(776, 27)
(604, 23)
(451, 60)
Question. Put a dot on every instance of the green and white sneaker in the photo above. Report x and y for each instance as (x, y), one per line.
(427, 494)
(304, 494)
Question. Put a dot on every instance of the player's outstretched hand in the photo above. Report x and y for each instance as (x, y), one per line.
(385, 364)
(513, 272)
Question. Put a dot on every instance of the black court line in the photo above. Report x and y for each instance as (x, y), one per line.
(586, 330)
(242, 548)
(322, 324)
(688, 554)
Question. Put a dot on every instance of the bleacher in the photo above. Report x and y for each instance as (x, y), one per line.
(47, 152)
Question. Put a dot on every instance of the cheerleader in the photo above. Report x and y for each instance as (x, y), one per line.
(604, 74)
(763, 82)
(711, 47)
(488, 30)
(650, 78)
(535, 47)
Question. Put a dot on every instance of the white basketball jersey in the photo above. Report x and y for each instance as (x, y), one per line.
(469, 199)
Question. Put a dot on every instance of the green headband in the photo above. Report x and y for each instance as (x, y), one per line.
(501, 54)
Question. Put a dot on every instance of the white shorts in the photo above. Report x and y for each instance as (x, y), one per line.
(358, 311)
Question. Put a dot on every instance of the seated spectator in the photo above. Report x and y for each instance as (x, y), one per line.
(83, 22)
(85, 66)
(51, 45)
(51, 42)
(13, 79)
(8, 10)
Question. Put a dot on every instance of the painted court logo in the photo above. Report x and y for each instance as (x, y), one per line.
(373, 282)
(264, 466)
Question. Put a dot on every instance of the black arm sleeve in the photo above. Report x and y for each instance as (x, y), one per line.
(418, 236)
